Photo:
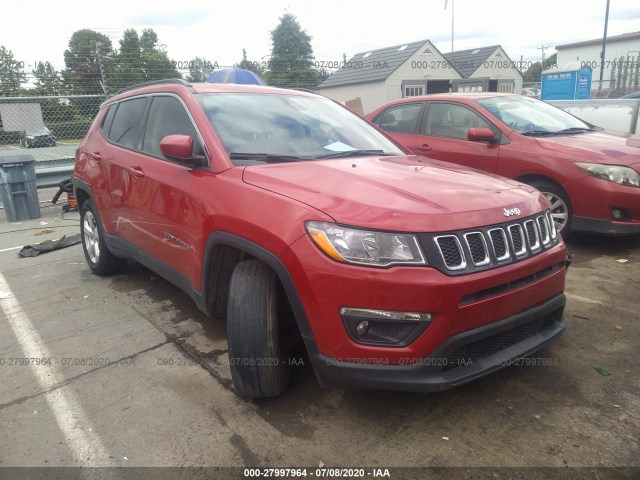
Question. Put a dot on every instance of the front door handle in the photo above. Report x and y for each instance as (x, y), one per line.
(136, 172)
(424, 147)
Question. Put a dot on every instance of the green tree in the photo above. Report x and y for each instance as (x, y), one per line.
(11, 74)
(129, 70)
(534, 72)
(155, 60)
(291, 62)
(82, 73)
(200, 69)
(48, 81)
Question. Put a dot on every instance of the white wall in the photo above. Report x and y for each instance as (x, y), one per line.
(619, 115)
(591, 53)
(499, 68)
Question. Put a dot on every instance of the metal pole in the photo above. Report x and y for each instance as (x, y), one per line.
(604, 46)
(452, 17)
(103, 83)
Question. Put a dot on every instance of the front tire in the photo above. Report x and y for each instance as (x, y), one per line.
(561, 210)
(100, 260)
(259, 365)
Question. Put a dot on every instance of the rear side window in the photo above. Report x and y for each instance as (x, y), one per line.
(167, 116)
(125, 129)
(108, 119)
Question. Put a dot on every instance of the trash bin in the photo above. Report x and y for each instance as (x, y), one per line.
(18, 187)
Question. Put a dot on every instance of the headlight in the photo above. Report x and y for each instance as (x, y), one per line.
(365, 247)
(614, 173)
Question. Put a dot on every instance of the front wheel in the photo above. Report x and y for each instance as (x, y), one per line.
(101, 261)
(561, 210)
(259, 364)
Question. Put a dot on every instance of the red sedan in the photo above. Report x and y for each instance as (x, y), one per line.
(590, 176)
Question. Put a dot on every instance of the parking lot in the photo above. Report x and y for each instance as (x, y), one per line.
(132, 374)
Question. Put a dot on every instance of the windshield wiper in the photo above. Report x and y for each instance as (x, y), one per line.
(538, 133)
(578, 130)
(265, 157)
(354, 153)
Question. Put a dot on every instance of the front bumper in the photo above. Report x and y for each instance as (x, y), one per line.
(465, 357)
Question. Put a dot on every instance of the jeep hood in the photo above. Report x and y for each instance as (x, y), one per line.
(597, 147)
(398, 193)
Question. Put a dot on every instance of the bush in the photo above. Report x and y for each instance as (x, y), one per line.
(9, 137)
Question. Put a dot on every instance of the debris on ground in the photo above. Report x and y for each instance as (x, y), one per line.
(49, 245)
(602, 371)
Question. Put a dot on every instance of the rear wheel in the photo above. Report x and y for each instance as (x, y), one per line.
(259, 363)
(100, 259)
(561, 211)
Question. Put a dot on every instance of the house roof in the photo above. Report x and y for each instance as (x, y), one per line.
(468, 61)
(373, 65)
(598, 41)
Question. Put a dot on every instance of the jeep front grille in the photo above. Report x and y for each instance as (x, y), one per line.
(487, 247)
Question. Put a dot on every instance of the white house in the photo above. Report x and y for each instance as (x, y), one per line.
(418, 68)
(622, 58)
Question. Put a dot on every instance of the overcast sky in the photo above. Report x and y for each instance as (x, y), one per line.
(39, 30)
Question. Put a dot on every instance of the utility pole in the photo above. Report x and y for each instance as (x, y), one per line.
(452, 20)
(543, 48)
(604, 46)
(103, 83)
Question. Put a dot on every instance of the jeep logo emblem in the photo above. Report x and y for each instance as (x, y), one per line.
(508, 212)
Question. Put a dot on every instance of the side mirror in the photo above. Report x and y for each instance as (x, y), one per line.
(178, 148)
(481, 134)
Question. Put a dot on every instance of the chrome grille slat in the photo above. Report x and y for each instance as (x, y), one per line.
(517, 238)
(451, 251)
(544, 229)
(499, 244)
(533, 236)
(478, 248)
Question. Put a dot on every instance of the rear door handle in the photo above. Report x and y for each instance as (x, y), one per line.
(95, 155)
(136, 172)
(424, 147)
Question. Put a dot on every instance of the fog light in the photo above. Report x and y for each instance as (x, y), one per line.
(620, 214)
(362, 328)
(384, 327)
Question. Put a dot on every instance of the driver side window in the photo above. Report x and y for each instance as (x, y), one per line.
(452, 121)
(167, 116)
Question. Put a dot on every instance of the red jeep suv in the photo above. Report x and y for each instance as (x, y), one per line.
(293, 218)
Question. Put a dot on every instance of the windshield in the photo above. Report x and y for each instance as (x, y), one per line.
(533, 117)
(283, 127)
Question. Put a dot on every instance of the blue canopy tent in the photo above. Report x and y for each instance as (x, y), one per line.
(235, 75)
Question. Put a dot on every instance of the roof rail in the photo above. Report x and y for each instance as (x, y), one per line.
(177, 81)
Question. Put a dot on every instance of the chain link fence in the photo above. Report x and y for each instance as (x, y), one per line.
(46, 121)
(47, 128)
